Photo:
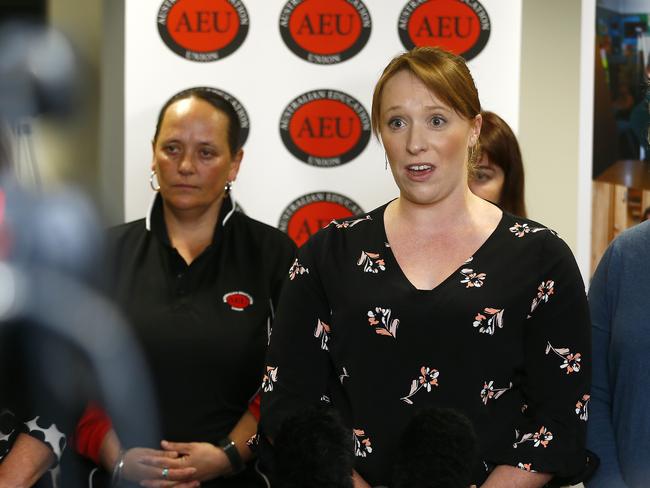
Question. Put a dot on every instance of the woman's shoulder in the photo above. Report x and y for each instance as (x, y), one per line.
(261, 233)
(637, 237)
(344, 229)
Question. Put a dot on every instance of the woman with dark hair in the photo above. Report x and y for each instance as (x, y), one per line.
(198, 281)
(436, 299)
(499, 173)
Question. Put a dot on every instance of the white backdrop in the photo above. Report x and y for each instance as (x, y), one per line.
(264, 75)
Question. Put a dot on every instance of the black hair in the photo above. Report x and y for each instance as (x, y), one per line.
(215, 99)
(438, 449)
(313, 449)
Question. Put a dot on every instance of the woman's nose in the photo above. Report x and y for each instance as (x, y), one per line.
(186, 165)
(416, 141)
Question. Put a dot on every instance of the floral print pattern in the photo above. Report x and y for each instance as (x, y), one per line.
(571, 362)
(362, 444)
(494, 317)
(269, 379)
(471, 278)
(540, 438)
(490, 393)
(322, 332)
(581, 407)
(520, 230)
(297, 269)
(544, 292)
(381, 320)
(526, 467)
(371, 262)
(343, 375)
(428, 379)
(348, 223)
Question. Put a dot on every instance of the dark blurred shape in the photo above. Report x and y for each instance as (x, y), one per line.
(38, 72)
(61, 342)
(314, 449)
(32, 10)
(438, 449)
(58, 231)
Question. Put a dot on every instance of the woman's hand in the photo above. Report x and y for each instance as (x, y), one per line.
(147, 464)
(208, 460)
(358, 481)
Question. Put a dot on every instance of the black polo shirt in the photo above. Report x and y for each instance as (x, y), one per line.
(203, 327)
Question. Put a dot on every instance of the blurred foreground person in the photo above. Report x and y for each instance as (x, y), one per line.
(437, 298)
(199, 282)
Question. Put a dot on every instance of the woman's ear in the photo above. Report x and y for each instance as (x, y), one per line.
(153, 155)
(477, 122)
(235, 164)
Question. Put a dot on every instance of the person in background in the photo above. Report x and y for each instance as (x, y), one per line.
(437, 298)
(199, 282)
(619, 422)
(499, 173)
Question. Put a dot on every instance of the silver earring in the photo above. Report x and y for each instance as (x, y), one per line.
(227, 188)
(386, 161)
(154, 186)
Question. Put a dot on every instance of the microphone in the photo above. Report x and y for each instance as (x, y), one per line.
(314, 449)
(438, 449)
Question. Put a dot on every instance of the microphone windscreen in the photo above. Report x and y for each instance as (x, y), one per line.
(438, 449)
(314, 449)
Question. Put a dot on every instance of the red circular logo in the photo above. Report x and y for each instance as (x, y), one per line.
(325, 31)
(308, 214)
(203, 30)
(325, 127)
(238, 300)
(460, 26)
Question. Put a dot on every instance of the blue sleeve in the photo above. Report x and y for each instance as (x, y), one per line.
(600, 431)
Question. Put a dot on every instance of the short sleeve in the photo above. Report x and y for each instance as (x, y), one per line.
(600, 430)
(46, 431)
(91, 431)
(550, 438)
(298, 365)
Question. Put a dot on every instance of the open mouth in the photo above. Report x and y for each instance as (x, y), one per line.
(419, 169)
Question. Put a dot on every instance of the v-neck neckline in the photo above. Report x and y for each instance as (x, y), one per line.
(454, 273)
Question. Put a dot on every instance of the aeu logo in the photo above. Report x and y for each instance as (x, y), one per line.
(310, 213)
(242, 114)
(203, 30)
(325, 31)
(325, 127)
(238, 300)
(460, 26)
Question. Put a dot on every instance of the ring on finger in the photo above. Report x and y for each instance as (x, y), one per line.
(165, 472)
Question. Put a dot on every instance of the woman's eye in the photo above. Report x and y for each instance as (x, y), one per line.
(482, 176)
(437, 121)
(171, 149)
(396, 123)
(206, 153)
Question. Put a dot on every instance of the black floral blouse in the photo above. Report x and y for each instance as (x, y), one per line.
(504, 339)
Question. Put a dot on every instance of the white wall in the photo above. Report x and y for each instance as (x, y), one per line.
(264, 75)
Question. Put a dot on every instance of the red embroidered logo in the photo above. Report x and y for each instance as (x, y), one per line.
(238, 300)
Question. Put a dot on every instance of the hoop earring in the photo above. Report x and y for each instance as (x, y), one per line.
(154, 186)
(227, 188)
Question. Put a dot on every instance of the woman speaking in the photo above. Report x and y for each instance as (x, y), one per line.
(437, 298)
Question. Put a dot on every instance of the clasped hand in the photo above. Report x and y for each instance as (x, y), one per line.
(178, 464)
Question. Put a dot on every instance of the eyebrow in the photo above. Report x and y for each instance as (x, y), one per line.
(426, 107)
